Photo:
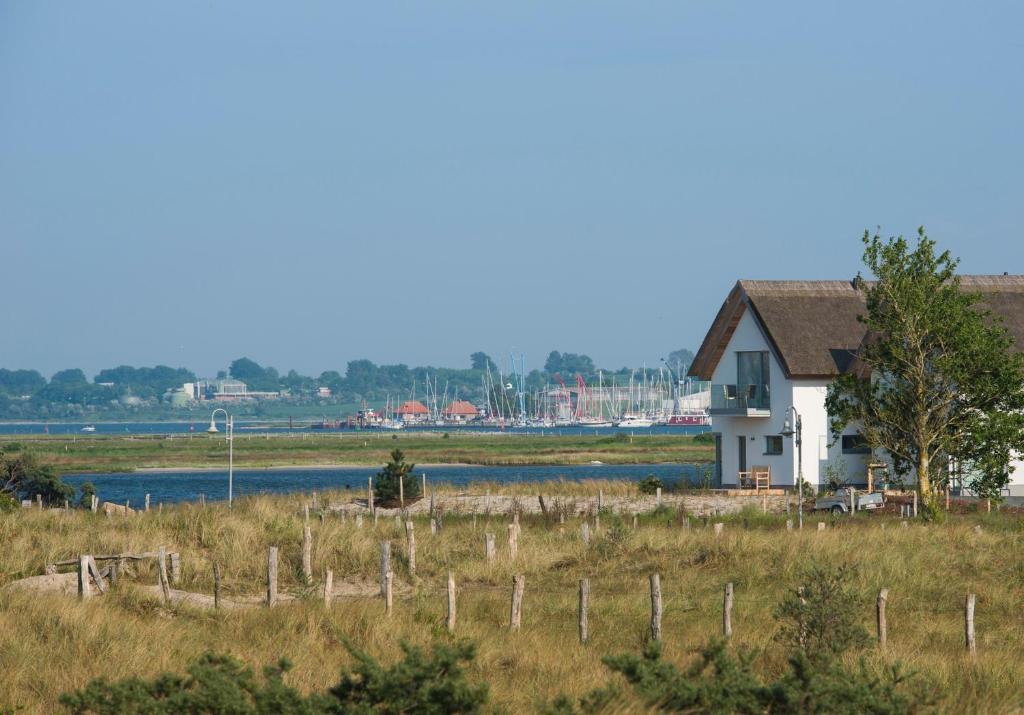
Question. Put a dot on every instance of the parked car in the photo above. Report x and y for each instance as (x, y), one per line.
(839, 503)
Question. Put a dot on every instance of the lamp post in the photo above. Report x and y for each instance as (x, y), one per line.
(790, 429)
(229, 423)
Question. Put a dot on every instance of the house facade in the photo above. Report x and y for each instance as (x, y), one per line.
(773, 349)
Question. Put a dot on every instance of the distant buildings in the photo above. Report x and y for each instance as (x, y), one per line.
(413, 412)
(460, 411)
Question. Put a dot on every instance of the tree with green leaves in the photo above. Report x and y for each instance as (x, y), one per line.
(22, 476)
(936, 380)
(394, 472)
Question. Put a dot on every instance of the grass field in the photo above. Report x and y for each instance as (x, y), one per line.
(49, 644)
(110, 454)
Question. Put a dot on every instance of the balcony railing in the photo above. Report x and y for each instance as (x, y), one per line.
(752, 400)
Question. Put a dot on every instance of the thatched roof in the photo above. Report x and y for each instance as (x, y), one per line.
(812, 326)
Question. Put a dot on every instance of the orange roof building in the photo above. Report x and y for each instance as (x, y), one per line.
(413, 411)
(460, 411)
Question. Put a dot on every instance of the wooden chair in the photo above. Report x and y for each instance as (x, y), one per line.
(761, 477)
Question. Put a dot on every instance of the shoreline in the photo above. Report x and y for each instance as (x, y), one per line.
(349, 466)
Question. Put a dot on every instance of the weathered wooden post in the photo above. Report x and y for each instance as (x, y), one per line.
(655, 607)
(410, 546)
(915, 503)
(584, 605)
(271, 576)
(84, 587)
(328, 586)
(969, 625)
(307, 554)
(903, 524)
(165, 587)
(585, 532)
(513, 540)
(401, 493)
(423, 492)
(147, 502)
(600, 499)
(516, 615)
(450, 621)
(175, 568)
(389, 592)
(727, 612)
(789, 524)
(385, 565)
(489, 550)
(369, 494)
(853, 501)
(39, 501)
(821, 526)
(359, 521)
(95, 503)
(433, 526)
(216, 585)
(719, 528)
(305, 514)
(636, 521)
(315, 502)
(597, 523)
(883, 630)
(657, 495)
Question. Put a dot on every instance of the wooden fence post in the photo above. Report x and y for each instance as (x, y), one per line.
(433, 526)
(969, 625)
(789, 524)
(584, 604)
(389, 592)
(657, 494)
(585, 532)
(271, 576)
(727, 612)
(719, 528)
(410, 545)
(821, 526)
(883, 629)
(147, 502)
(450, 622)
(359, 521)
(423, 493)
(655, 607)
(600, 499)
(636, 521)
(513, 540)
(84, 587)
(516, 615)
(401, 493)
(165, 587)
(385, 565)
(369, 494)
(597, 524)
(328, 587)
(216, 585)
(489, 550)
(915, 503)
(307, 553)
(175, 568)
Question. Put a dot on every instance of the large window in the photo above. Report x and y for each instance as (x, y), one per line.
(752, 377)
(855, 444)
(773, 444)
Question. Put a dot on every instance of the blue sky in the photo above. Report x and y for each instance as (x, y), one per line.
(309, 183)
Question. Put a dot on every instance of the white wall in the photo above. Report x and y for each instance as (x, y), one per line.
(807, 396)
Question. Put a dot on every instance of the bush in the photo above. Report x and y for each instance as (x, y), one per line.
(220, 685)
(21, 476)
(704, 438)
(818, 616)
(396, 472)
(87, 492)
(649, 484)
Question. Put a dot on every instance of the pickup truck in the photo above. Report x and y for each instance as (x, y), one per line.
(839, 503)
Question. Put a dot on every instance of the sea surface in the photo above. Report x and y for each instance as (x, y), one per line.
(170, 487)
(273, 427)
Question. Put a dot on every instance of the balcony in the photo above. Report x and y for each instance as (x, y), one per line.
(740, 400)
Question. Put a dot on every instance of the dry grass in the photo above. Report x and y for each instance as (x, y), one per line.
(73, 453)
(50, 644)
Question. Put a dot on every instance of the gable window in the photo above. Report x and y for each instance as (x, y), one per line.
(773, 444)
(752, 377)
(855, 444)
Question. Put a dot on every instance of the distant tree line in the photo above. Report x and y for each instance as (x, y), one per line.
(26, 394)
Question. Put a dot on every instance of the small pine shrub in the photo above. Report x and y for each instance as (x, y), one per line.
(396, 471)
(649, 484)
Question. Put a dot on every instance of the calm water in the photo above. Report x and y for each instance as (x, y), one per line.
(75, 428)
(187, 486)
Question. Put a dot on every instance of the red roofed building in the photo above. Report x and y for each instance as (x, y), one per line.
(413, 411)
(460, 411)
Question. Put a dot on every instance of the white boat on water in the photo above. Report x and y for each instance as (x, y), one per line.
(88, 428)
(634, 422)
(594, 423)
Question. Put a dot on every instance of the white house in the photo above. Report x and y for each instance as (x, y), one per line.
(775, 346)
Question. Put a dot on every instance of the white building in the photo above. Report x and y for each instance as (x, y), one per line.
(778, 344)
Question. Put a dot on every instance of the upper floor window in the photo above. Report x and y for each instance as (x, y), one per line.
(855, 444)
(752, 375)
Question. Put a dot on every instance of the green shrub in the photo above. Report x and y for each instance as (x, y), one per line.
(649, 484)
(396, 472)
(86, 492)
(220, 685)
(818, 616)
